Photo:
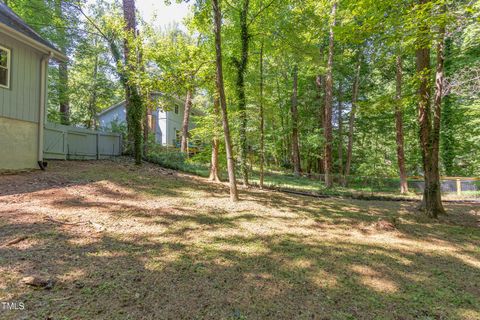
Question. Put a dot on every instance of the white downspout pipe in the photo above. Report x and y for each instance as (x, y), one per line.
(42, 106)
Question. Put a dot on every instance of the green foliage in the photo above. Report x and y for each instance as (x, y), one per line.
(290, 33)
(174, 159)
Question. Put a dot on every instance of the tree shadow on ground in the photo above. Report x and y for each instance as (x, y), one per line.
(272, 256)
(286, 277)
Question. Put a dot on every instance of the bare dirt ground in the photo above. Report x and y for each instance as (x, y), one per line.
(115, 241)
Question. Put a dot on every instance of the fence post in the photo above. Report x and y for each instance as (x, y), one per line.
(64, 137)
(98, 141)
(459, 187)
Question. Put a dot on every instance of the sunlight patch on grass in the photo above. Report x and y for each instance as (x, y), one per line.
(374, 279)
(72, 275)
(175, 247)
(468, 314)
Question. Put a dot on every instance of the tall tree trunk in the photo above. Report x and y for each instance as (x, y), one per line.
(149, 108)
(294, 110)
(340, 129)
(214, 176)
(63, 91)
(186, 121)
(217, 15)
(430, 130)
(262, 121)
(328, 135)
(241, 65)
(353, 112)
(92, 102)
(133, 99)
(320, 83)
(147, 121)
(63, 96)
(399, 127)
(447, 132)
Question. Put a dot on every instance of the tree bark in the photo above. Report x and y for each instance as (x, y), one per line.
(328, 135)
(92, 103)
(63, 94)
(241, 65)
(320, 83)
(146, 129)
(399, 127)
(133, 99)
(186, 121)
(429, 130)
(262, 122)
(295, 139)
(214, 176)
(353, 112)
(448, 115)
(340, 129)
(217, 16)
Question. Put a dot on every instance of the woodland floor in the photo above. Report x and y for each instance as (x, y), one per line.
(122, 242)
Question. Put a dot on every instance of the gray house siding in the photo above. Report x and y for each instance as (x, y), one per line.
(114, 114)
(21, 100)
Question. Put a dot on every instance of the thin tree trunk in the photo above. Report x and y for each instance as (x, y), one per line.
(340, 131)
(217, 15)
(351, 122)
(262, 122)
(399, 127)
(214, 176)
(320, 83)
(92, 103)
(448, 114)
(63, 94)
(434, 201)
(328, 135)
(241, 65)
(430, 130)
(294, 110)
(186, 121)
(146, 129)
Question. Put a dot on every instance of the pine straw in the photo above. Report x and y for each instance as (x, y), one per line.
(123, 242)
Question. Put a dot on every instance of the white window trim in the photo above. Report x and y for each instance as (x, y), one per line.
(9, 67)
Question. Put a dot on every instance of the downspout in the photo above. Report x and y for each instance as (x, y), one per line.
(41, 115)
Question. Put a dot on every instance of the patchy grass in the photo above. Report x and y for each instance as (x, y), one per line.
(123, 242)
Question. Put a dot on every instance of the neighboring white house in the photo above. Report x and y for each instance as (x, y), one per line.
(165, 125)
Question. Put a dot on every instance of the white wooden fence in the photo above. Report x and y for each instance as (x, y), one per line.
(71, 143)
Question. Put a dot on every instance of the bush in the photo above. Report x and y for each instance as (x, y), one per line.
(173, 159)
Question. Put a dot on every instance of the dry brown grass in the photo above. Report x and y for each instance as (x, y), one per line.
(123, 242)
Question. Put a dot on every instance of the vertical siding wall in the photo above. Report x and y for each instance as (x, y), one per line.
(117, 114)
(65, 143)
(21, 101)
(174, 121)
(18, 144)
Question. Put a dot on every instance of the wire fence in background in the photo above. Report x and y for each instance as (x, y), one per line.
(453, 188)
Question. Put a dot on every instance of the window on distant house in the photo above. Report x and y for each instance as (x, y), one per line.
(4, 67)
(176, 109)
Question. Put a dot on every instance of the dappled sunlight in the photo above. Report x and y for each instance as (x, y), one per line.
(468, 313)
(155, 245)
(374, 279)
(324, 280)
(72, 275)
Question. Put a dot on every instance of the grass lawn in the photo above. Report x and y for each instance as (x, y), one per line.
(123, 242)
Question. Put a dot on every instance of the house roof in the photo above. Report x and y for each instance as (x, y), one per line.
(13, 24)
(122, 103)
(115, 106)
